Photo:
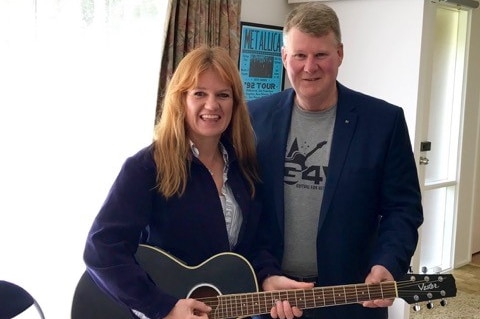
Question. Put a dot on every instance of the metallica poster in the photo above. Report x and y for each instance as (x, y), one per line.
(260, 60)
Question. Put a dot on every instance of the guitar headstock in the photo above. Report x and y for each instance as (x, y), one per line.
(416, 288)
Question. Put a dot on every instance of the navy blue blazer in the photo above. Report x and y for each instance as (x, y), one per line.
(371, 206)
(191, 228)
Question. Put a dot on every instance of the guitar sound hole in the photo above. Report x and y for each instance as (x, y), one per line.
(206, 294)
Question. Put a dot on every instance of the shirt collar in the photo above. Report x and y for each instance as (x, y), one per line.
(196, 152)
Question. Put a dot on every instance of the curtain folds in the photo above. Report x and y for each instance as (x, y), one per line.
(195, 22)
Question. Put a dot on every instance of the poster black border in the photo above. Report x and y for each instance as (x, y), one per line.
(267, 27)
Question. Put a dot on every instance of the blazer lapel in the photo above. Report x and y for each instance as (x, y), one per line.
(281, 117)
(345, 123)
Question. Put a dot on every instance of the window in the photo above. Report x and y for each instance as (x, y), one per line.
(78, 85)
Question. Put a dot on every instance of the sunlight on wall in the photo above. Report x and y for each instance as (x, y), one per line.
(78, 93)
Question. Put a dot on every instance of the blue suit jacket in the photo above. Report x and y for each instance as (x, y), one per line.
(371, 206)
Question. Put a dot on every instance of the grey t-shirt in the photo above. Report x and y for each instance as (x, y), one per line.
(306, 164)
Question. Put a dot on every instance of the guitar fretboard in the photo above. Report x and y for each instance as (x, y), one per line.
(249, 304)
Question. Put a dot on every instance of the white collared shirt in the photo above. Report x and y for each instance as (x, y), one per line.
(231, 209)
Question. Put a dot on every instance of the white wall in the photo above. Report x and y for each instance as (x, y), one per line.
(270, 12)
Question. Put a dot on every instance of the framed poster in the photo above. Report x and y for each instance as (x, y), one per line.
(260, 59)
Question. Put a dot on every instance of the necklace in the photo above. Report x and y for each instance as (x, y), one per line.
(210, 170)
(212, 165)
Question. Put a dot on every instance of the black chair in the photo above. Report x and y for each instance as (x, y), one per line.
(14, 300)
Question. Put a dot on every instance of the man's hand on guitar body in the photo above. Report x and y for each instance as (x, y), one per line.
(283, 309)
(189, 308)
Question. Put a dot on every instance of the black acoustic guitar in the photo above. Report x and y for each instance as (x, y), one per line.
(227, 283)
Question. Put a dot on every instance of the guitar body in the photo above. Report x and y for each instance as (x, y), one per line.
(225, 273)
(90, 302)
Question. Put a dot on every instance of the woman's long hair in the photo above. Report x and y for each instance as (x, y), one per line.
(171, 145)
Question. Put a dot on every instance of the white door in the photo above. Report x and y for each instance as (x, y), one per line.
(439, 153)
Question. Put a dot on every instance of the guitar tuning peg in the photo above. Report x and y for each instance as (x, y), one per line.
(410, 270)
(443, 302)
(424, 270)
(429, 305)
(416, 307)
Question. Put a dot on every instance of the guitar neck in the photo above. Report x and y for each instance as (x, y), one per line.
(257, 303)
